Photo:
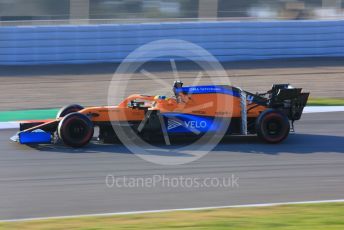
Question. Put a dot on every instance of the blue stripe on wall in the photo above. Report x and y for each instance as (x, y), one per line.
(227, 41)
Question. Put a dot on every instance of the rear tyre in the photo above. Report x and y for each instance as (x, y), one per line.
(75, 130)
(272, 126)
(69, 109)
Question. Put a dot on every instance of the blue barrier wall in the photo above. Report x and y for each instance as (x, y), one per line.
(227, 41)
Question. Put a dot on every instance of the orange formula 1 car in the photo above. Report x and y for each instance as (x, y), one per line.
(194, 111)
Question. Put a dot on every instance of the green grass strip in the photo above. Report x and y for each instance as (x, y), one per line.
(325, 101)
(39, 114)
(292, 217)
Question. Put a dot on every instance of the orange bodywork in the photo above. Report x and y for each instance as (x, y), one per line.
(213, 105)
(122, 112)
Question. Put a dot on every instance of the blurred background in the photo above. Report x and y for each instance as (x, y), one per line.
(14, 12)
(73, 46)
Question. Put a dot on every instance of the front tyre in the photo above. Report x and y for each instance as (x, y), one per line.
(272, 126)
(75, 130)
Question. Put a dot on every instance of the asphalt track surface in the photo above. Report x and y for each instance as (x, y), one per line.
(55, 180)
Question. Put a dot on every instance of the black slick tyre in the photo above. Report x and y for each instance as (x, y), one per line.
(272, 126)
(75, 130)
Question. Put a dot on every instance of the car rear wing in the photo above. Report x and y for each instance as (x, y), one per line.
(289, 99)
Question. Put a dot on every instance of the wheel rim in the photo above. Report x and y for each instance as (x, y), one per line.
(273, 127)
(77, 130)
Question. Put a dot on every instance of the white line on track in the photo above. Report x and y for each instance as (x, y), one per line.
(323, 109)
(9, 125)
(174, 210)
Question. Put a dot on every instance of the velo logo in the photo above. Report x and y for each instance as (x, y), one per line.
(173, 124)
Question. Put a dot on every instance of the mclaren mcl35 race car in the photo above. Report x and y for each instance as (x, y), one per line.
(192, 111)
